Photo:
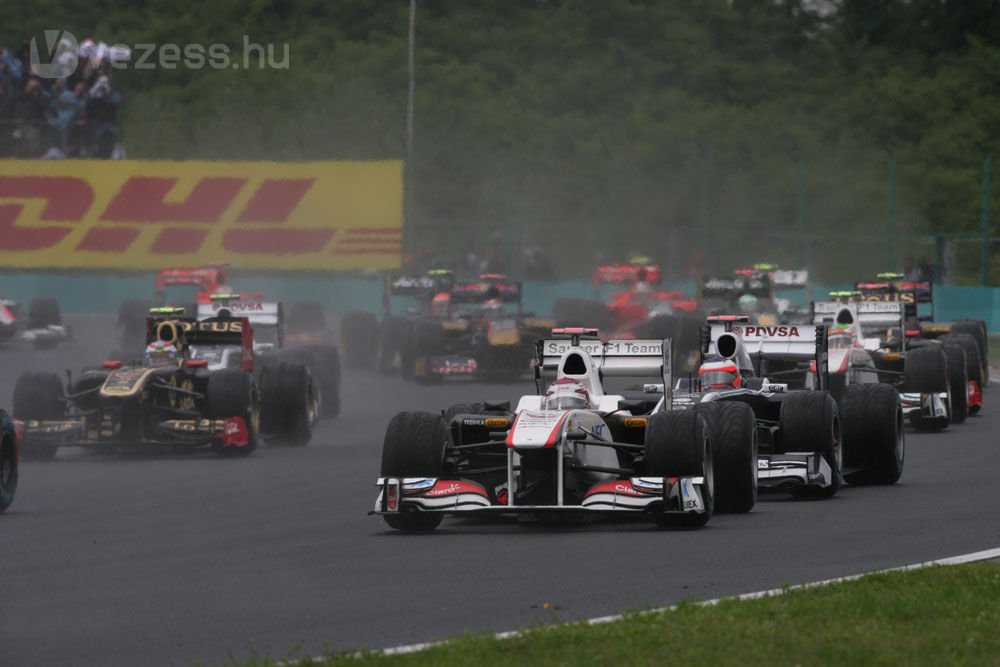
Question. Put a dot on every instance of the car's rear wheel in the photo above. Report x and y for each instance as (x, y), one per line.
(232, 392)
(874, 437)
(288, 404)
(39, 396)
(958, 389)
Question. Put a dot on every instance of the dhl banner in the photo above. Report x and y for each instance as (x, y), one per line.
(136, 214)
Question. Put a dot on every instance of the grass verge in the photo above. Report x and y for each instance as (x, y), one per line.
(943, 615)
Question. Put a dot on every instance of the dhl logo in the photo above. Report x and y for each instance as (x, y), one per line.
(144, 214)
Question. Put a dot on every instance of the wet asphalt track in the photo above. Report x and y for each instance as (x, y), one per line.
(174, 560)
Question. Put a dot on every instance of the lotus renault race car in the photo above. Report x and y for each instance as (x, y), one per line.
(167, 400)
(8, 460)
(808, 443)
(571, 449)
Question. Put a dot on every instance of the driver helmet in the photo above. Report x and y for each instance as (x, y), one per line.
(160, 353)
(840, 336)
(748, 302)
(493, 307)
(566, 394)
(719, 373)
(441, 304)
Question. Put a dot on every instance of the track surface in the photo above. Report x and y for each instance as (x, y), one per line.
(172, 560)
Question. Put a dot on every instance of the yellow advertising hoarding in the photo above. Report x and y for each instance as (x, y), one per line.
(137, 214)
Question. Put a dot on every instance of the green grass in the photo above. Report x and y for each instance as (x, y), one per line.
(934, 616)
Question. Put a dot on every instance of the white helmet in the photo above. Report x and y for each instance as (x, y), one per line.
(566, 394)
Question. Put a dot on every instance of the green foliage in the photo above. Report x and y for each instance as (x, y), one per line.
(645, 117)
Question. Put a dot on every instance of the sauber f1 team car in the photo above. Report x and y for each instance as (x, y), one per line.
(8, 460)
(166, 401)
(570, 450)
(808, 442)
(933, 376)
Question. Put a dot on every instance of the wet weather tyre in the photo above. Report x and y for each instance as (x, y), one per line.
(288, 404)
(958, 381)
(8, 467)
(810, 422)
(359, 339)
(392, 340)
(38, 397)
(677, 445)
(43, 313)
(232, 392)
(325, 368)
(925, 370)
(732, 432)
(414, 446)
(874, 436)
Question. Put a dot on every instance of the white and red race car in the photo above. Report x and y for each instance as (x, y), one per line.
(573, 448)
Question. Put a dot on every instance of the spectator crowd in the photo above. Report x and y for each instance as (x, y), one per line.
(75, 116)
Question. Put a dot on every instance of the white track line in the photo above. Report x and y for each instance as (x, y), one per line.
(977, 556)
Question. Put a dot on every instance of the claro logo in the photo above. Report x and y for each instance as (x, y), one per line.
(198, 213)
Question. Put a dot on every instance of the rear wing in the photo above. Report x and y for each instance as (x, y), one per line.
(185, 332)
(477, 292)
(799, 278)
(785, 342)
(622, 274)
(269, 314)
(866, 313)
(757, 284)
(639, 358)
(203, 276)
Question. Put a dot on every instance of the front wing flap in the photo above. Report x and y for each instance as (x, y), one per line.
(793, 469)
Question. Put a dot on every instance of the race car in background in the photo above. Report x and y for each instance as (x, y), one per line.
(871, 340)
(754, 292)
(43, 329)
(640, 310)
(8, 460)
(570, 450)
(169, 400)
(809, 440)
(198, 285)
(271, 347)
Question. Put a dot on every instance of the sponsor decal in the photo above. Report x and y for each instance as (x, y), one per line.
(497, 422)
(763, 464)
(635, 422)
(737, 329)
(771, 331)
(134, 214)
(451, 488)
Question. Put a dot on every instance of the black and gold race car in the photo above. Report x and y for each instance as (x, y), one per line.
(168, 399)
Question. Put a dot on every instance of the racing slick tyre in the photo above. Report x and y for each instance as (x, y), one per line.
(732, 431)
(288, 408)
(8, 465)
(131, 323)
(359, 339)
(976, 329)
(973, 361)
(958, 382)
(874, 438)
(810, 422)
(677, 445)
(414, 446)
(232, 392)
(582, 313)
(307, 316)
(925, 370)
(39, 396)
(43, 313)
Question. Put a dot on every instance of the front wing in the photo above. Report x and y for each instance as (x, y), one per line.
(778, 471)
(170, 433)
(654, 495)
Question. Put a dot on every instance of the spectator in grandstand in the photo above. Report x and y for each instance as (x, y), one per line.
(29, 119)
(537, 265)
(61, 114)
(103, 103)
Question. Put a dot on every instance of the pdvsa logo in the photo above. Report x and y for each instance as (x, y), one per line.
(771, 332)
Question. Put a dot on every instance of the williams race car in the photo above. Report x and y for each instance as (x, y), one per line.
(570, 450)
